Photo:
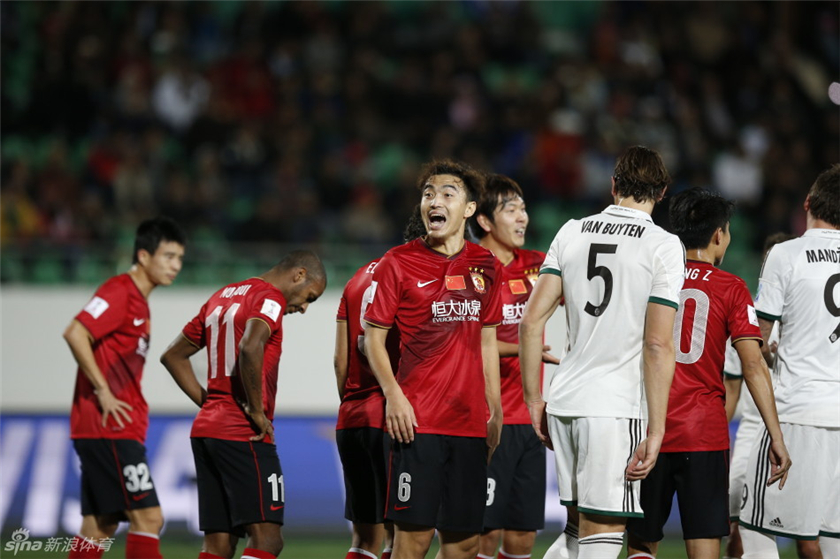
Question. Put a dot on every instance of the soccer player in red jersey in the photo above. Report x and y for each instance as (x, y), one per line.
(361, 416)
(240, 482)
(694, 458)
(109, 339)
(442, 292)
(516, 475)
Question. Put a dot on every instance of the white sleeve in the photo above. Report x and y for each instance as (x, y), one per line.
(668, 273)
(551, 264)
(770, 299)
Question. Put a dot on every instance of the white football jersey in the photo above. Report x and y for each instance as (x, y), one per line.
(746, 408)
(612, 264)
(800, 288)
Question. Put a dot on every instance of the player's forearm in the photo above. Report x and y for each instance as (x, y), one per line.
(380, 362)
(250, 369)
(492, 383)
(81, 347)
(766, 327)
(757, 378)
(340, 357)
(733, 393)
(658, 375)
(530, 359)
(176, 360)
(507, 349)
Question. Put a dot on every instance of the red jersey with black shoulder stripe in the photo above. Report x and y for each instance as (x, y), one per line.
(714, 306)
(219, 327)
(117, 317)
(440, 305)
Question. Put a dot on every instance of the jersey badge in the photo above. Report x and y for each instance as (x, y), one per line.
(517, 287)
(271, 309)
(455, 283)
(533, 274)
(752, 316)
(96, 307)
(478, 280)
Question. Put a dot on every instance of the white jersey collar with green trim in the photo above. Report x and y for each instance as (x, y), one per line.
(825, 233)
(620, 211)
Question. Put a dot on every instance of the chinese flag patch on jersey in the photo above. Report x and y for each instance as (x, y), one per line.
(517, 287)
(454, 283)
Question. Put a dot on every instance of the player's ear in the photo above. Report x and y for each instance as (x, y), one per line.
(143, 257)
(483, 222)
(299, 275)
(807, 204)
(612, 187)
(470, 209)
(662, 194)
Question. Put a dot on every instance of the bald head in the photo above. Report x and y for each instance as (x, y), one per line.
(305, 259)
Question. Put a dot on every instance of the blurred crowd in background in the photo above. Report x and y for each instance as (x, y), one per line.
(306, 122)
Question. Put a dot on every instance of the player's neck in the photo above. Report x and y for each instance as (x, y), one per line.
(504, 253)
(812, 222)
(630, 202)
(449, 246)
(141, 279)
(701, 255)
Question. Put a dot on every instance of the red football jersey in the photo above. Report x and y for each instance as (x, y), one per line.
(714, 306)
(118, 319)
(519, 277)
(363, 404)
(219, 326)
(440, 304)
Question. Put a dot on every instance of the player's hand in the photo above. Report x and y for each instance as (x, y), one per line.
(263, 424)
(779, 463)
(539, 421)
(494, 434)
(112, 406)
(399, 418)
(547, 357)
(644, 459)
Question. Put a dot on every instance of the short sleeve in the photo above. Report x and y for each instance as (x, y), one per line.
(551, 264)
(106, 310)
(341, 315)
(385, 293)
(742, 319)
(668, 273)
(770, 299)
(493, 309)
(731, 362)
(194, 330)
(265, 305)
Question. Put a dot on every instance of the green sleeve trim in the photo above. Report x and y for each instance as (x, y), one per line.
(776, 532)
(611, 513)
(769, 317)
(551, 271)
(830, 534)
(666, 302)
(732, 376)
(568, 503)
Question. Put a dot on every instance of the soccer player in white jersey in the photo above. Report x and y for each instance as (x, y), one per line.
(621, 277)
(799, 287)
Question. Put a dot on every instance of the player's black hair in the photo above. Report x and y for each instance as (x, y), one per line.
(824, 196)
(498, 191)
(414, 227)
(472, 179)
(152, 232)
(304, 259)
(640, 173)
(696, 214)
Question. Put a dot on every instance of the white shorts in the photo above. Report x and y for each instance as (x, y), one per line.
(591, 455)
(747, 431)
(808, 505)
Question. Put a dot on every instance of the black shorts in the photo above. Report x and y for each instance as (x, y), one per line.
(438, 481)
(701, 481)
(516, 482)
(115, 476)
(239, 483)
(363, 455)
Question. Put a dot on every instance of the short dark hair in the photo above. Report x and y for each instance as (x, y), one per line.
(154, 231)
(472, 179)
(774, 239)
(304, 259)
(696, 214)
(414, 227)
(498, 191)
(640, 173)
(825, 196)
